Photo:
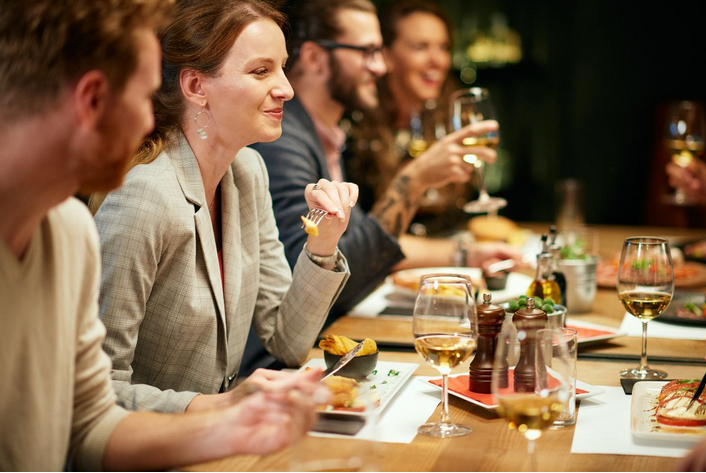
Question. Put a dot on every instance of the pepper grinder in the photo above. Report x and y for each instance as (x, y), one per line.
(529, 321)
(490, 322)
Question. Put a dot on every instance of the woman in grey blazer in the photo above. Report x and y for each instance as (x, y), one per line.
(191, 256)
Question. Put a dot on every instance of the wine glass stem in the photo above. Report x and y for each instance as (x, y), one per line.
(643, 355)
(480, 176)
(532, 457)
(445, 399)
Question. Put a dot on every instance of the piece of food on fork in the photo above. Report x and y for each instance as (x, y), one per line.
(310, 227)
(311, 222)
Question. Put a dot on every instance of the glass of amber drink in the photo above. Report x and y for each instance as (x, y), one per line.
(645, 287)
(445, 335)
(531, 381)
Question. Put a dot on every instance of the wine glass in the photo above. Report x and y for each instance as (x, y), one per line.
(531, 381)
(445, 335)
(645, 287)
(471, 106)
(424, 130)
(685, 136)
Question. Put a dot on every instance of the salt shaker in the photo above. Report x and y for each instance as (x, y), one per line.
(490, 322)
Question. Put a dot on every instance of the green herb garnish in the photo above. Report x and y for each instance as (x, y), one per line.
(393, 373)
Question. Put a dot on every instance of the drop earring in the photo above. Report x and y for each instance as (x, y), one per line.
(201, 129)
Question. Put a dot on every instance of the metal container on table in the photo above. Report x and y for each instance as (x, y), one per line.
(580, 277)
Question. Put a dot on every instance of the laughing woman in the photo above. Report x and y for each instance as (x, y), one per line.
(191, 257)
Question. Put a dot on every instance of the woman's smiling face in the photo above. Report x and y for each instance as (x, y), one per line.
(419, 59)
(246, 97)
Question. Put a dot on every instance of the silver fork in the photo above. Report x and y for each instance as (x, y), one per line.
(315, 216)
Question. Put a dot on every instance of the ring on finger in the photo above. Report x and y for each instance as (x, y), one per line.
(316, 187)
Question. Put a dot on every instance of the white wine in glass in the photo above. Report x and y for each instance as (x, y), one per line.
(472, 106)
(532, 403)
(645, 288)
(445, 335)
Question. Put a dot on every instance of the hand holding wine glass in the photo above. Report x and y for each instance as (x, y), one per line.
(472, 106)
(535, 389)
(445, 332)
(685, 136)
(645, 287)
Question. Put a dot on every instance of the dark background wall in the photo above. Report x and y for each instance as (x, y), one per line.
(588, 100)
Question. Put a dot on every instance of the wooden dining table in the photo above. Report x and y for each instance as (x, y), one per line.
(492, 446)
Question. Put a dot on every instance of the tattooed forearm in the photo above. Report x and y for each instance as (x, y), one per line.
(395, 210)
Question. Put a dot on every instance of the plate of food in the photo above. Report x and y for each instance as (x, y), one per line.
(383, 381)
(694, 250)
(406, 282)
(458, 387)
(658, 411)
(686, 308)
(686, 273)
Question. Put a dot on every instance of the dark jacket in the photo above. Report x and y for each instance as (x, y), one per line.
(297, 159)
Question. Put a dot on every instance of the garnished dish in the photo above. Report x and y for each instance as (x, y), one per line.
(695, 251)
(686, 308)
(686, 273)
(344, 393)
(362, 364)
(383, 383)
(673, 401)
(658, 411)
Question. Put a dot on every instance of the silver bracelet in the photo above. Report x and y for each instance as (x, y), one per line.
(322, 260)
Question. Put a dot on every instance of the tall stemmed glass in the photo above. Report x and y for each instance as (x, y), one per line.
(471, 106)
(445, 331)
(645, 287)
(686, 132)
(531, 378)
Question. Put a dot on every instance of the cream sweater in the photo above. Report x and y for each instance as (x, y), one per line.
(57, 403)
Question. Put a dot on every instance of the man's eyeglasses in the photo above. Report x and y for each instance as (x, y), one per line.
(369, 52)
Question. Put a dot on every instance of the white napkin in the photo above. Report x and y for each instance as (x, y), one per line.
(603, 427)
(410, 408)
(655, 329)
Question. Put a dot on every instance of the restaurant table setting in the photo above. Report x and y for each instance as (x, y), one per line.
(606, 434)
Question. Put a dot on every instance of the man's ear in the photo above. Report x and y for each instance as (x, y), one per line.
(91, 96)
(192, 83)
(313, 57)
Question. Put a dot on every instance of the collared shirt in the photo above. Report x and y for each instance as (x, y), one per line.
(332, 140)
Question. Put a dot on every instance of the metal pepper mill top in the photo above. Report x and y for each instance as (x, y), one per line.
(529, 321)
(490, 323)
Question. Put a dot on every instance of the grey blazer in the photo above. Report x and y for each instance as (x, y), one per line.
(174, 329)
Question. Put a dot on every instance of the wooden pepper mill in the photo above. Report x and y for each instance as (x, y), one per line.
(490, 322)
(529, 321)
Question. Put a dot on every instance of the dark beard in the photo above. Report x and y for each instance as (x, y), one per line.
(343, 89)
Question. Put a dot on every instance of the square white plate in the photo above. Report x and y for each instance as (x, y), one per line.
(643, 422)
(383, 380)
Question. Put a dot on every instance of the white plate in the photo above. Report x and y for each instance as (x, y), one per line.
(517, 283)
(643, 423)
(382, 380)
(592, 391)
